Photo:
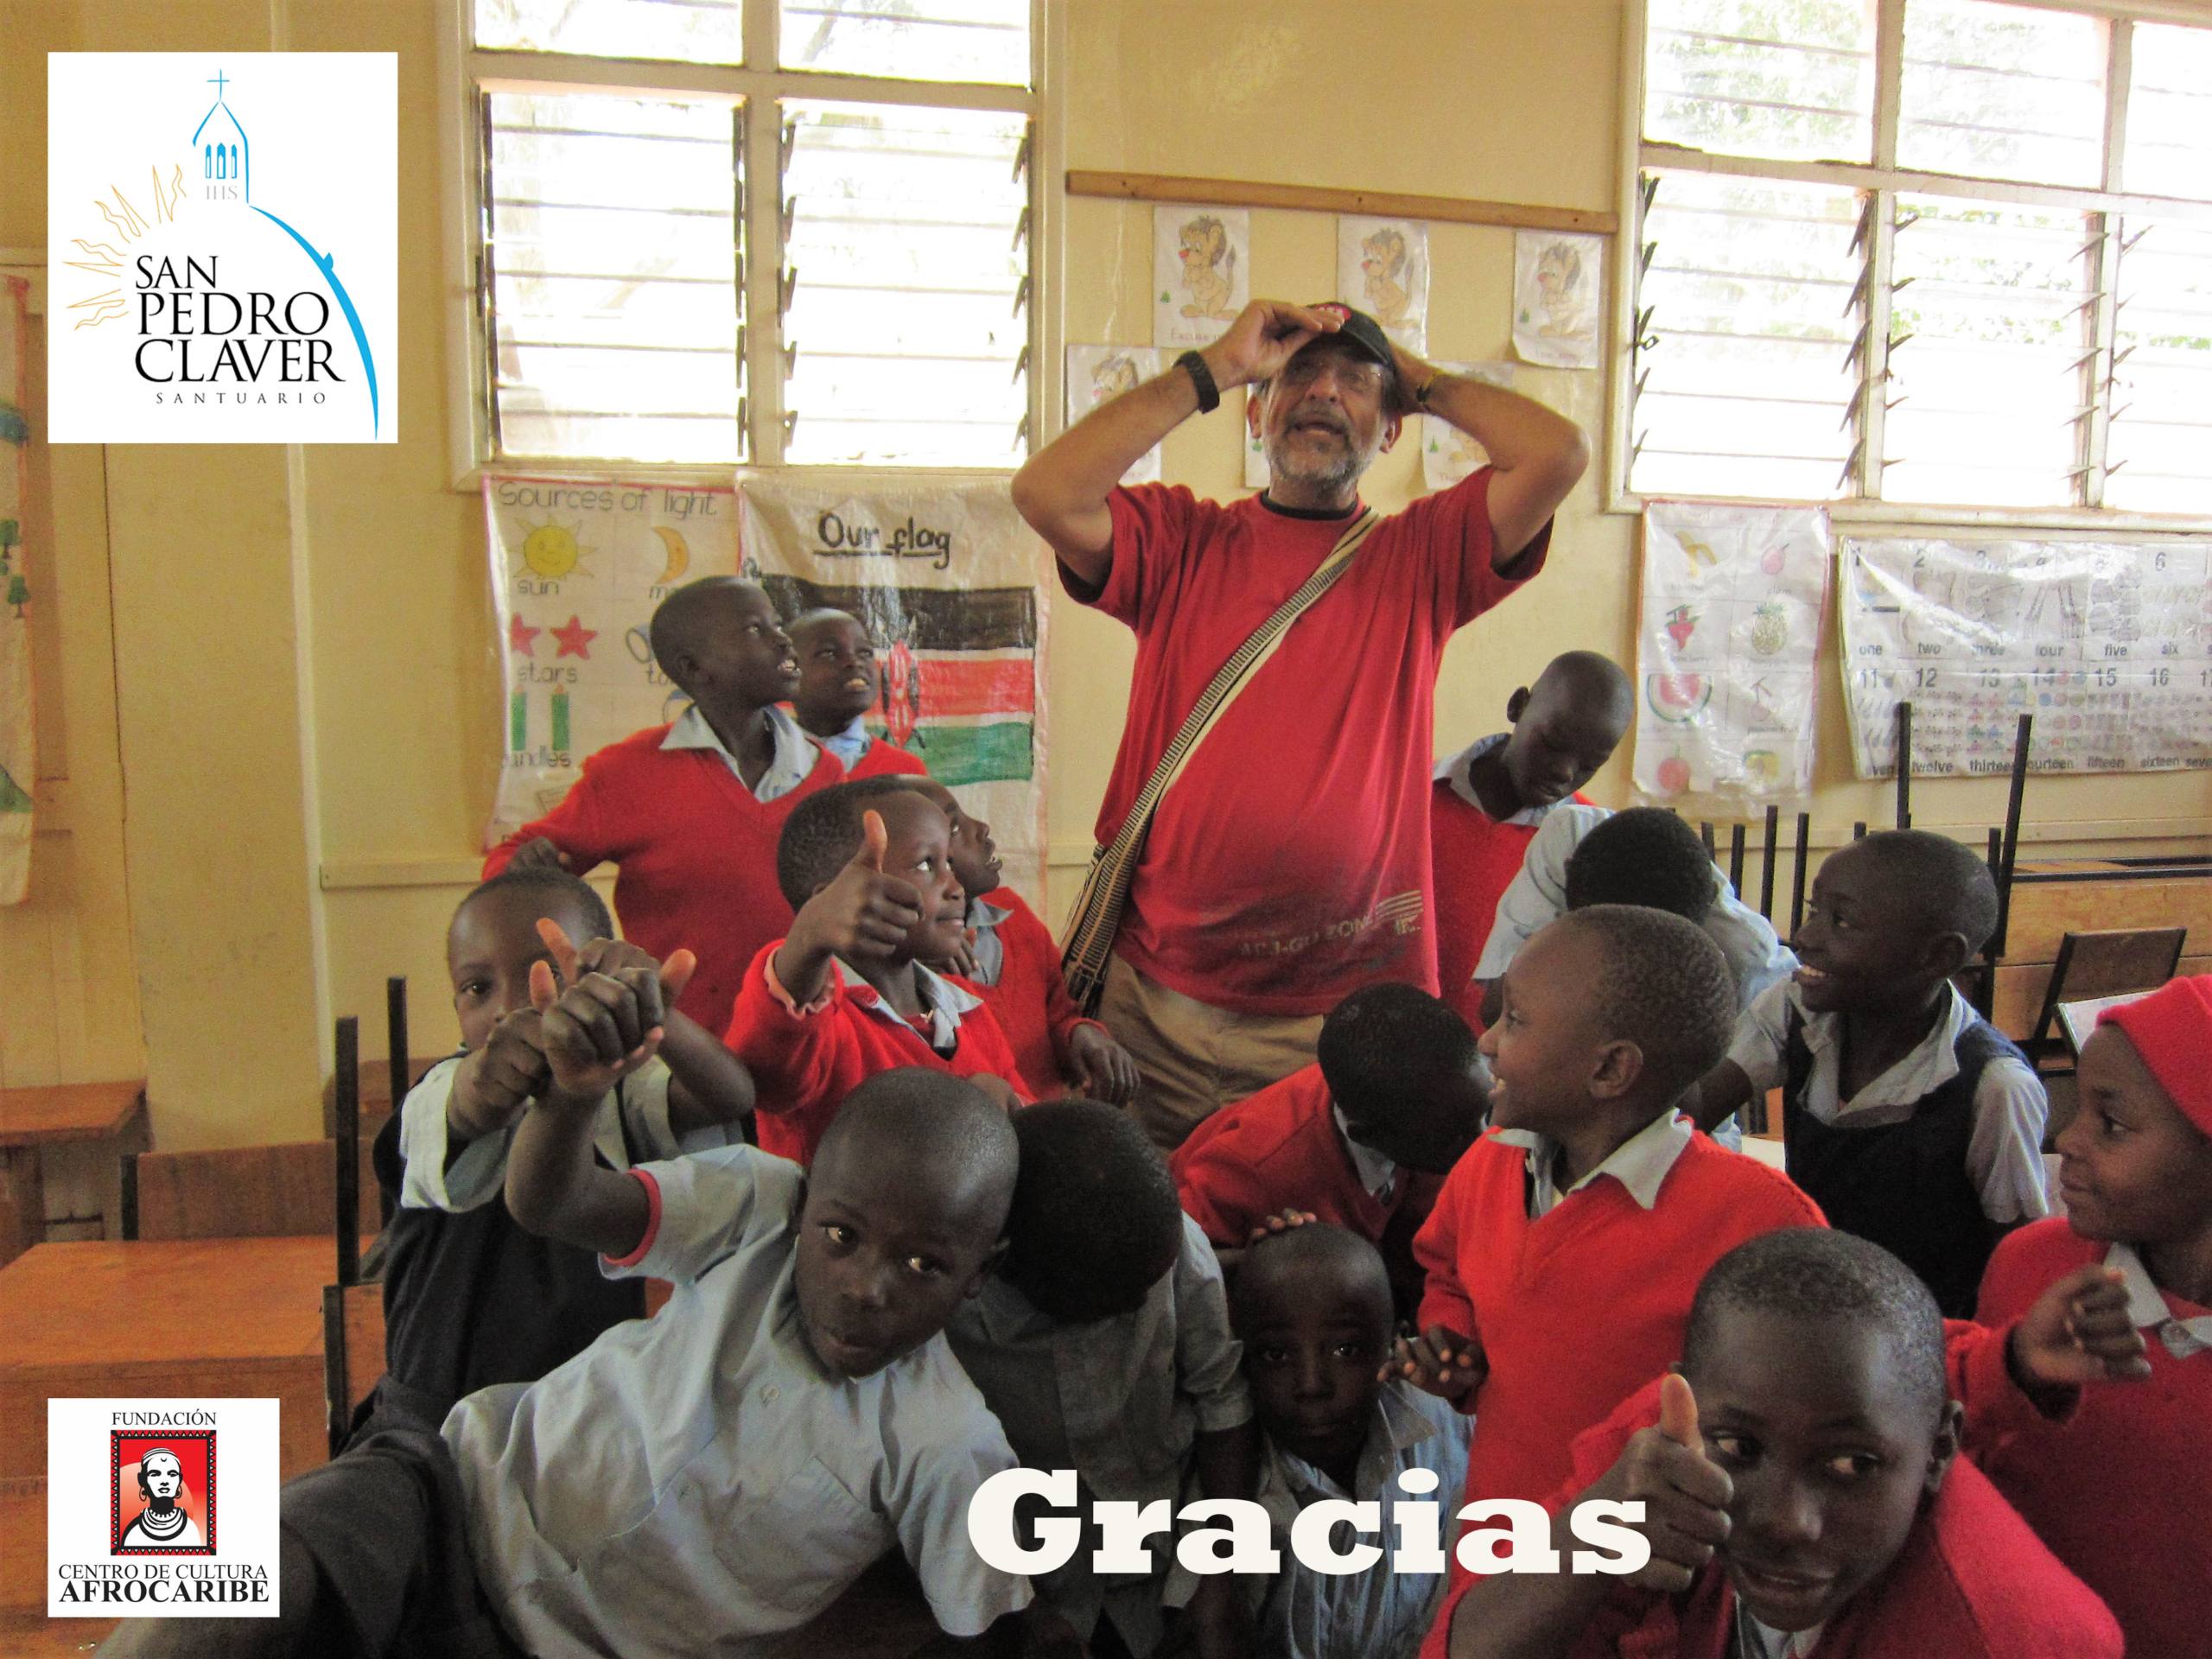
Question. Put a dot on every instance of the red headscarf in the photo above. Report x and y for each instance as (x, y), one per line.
(2171, 1029)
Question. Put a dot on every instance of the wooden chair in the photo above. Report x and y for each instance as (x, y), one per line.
(353, 1352)
(240, 1191)
(2102, 965)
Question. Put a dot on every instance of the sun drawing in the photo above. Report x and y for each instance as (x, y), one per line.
(551, 551)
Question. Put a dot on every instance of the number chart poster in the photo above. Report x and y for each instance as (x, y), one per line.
(952, 587)
(2109, 647)
(577, 570)
(1731, 629)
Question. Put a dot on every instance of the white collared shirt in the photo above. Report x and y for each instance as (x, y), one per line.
(2147, 1308)
(1537, 897)
(788, 767)
(695, 1481)
(848, 745)
(1377, 1174)
(1754, 1640)
(945, 1001)
(1639, 1163)
(990, 949)
(2004, 1155)
(1457, 771)
(639, 1103)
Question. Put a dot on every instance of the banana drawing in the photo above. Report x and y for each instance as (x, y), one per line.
(679, 556)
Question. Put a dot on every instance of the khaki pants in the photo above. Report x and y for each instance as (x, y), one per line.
(1196, 1058)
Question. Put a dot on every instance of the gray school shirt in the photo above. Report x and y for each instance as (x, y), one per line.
(694, 1483)
(1118, 1400)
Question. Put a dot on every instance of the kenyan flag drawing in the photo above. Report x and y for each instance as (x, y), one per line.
(959, 671)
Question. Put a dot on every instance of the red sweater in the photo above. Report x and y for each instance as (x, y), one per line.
(1578, 1311)
(1277, 1150)
(2122, 1489)
(1476, 858)
(1031, 1001)
(697, 852)
(1971, 1582)
(882, 760)
(804, 1065)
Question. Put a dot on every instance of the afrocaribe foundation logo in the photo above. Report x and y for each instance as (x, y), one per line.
(221, 247)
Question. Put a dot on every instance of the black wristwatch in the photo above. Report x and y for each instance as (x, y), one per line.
(1194, 364)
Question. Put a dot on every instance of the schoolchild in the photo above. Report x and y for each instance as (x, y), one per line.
(1102, 1343)
(1312, 1307)
(1363, 1138)
(1012, 960)
(866, 866)
(470, 1298)
(1801, 1491)
(706, 1478)
(1487, 800)
(1911, 1120)
(1565, 1247)
(2114, 1475)
(839, 681)
(691, 810)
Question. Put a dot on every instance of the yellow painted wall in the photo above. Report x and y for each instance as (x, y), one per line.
(292, 810)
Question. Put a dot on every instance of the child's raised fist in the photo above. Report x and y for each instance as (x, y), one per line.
(1439, 1361)
(2078, 1331)
(495, 1082)
(608, 1020)
(1684, 1493)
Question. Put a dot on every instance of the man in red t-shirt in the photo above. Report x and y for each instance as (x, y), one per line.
(1289, 865)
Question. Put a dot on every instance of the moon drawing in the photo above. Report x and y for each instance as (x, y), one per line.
(679, 556)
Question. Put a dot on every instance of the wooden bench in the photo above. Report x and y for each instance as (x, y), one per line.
(32, 1120)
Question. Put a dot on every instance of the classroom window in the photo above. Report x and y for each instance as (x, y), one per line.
(1932, 253)
(764, 231)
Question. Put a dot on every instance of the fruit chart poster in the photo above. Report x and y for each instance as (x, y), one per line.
(1731, 626)
(578, 568)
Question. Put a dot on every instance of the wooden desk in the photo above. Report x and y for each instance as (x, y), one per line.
(208, 1317)
(34, 1119)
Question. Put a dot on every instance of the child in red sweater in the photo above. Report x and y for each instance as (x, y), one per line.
(690, 811)
(1565, 1249)
(1361, 1138)
(2121, 1485)
(1489, 798)
(868, 867)
(838, 682)
(1010, 957)
(1802, 1497)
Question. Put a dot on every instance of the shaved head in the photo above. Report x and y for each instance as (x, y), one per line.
(1588, 681)
(952, 1145)
(1317, 1262)
(689, 616)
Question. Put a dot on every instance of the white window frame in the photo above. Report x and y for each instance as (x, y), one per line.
(1885, 178)
(464, 71)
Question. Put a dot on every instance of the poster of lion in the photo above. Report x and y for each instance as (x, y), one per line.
(1200, 273)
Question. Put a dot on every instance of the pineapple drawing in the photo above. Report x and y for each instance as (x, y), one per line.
(1770, 629)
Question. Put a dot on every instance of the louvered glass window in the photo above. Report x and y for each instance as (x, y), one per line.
(1749, 78)
(1744, 369)
(910, 40)
(2003, 93)
(2161, 446)
(704, 31)
(908, 284)
(613, 294)
(2170, 113)
(1940, 253)
(885, 249)
(1988, 353)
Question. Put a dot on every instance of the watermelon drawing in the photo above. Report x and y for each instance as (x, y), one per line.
(1677, 697)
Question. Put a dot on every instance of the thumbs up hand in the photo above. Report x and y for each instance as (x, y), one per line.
(1684, 1493)
(602, 1009)
(864, 915)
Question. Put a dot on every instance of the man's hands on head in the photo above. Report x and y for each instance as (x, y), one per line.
(2077, 1331)
(861, 916)
(1265, 335)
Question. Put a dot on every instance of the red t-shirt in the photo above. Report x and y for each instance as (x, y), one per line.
(1289, 865)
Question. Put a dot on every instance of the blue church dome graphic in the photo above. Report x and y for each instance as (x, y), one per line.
(224, 152)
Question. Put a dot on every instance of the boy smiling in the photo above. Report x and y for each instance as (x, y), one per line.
(838, 682)
(1803, 1498)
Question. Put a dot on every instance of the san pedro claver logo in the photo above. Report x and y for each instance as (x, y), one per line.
(221, 248)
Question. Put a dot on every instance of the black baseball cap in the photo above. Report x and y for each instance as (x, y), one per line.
(1360, 332)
